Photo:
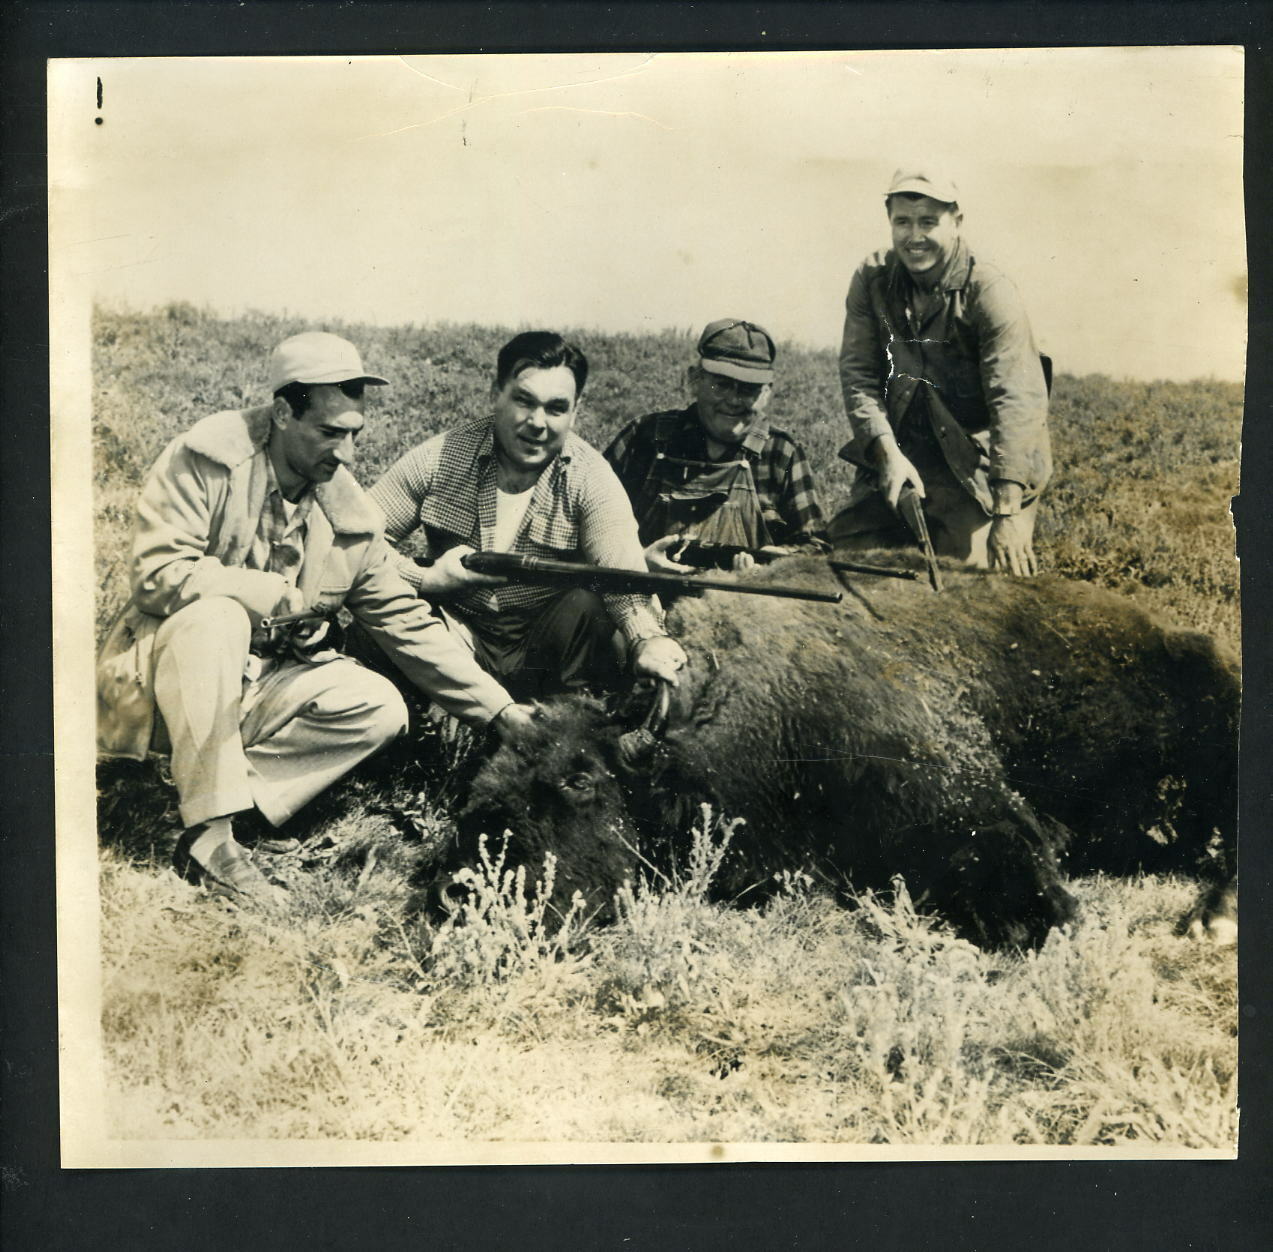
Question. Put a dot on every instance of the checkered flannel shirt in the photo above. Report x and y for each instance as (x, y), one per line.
(784, 481)
(445, 488)
(278, 546)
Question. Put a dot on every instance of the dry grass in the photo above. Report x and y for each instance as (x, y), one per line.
(683, 1022)
(807, 1021)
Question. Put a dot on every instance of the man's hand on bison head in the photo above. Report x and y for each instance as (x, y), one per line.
(513, 720)
(660, 657)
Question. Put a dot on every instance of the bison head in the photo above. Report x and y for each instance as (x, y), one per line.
(553, 786)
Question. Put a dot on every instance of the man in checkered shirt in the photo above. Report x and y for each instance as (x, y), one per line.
(520, 480)
(716, 472)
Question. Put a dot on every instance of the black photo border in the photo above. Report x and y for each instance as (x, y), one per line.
(923, 1205)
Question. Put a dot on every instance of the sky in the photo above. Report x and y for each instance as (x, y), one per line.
(641, 192)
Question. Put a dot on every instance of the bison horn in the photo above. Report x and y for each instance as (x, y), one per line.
(635, 746)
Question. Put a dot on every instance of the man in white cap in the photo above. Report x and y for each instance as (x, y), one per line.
(253, 514)
(717, 472)
(944, 388)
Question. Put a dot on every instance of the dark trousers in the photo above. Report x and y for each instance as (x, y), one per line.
(567, 647)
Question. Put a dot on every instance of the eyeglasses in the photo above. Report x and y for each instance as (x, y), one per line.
(724, 385)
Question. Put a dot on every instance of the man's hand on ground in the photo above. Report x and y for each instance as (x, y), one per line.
(447, 575)
(661, 555)
(1010, 548)
(661, 657)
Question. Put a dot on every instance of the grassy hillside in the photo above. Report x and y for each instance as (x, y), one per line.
(1139, 501)
(684, 1021)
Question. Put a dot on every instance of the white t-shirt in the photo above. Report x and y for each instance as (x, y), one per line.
(509, 511)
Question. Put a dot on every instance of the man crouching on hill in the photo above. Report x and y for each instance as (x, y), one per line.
(944, 388)
(252, 514)
(520, 480)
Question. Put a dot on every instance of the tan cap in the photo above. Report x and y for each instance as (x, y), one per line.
(935, 186)
(317, 357)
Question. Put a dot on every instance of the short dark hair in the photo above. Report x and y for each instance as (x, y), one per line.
(541, 349)
(952, 205)
(298, 397)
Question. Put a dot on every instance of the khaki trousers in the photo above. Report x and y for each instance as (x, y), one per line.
(958, 526)
(275, 742)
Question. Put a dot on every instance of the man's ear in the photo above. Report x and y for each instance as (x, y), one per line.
(280, 412)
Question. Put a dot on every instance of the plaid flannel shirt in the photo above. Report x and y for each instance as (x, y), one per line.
(279, 544)
(445, 488)
(784, 481)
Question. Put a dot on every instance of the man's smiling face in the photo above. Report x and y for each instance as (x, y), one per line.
(924, 232)
(533, 413)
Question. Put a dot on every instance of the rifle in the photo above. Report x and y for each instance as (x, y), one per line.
(289, 619)
(721, 556)
(912, 512)
(606, 580)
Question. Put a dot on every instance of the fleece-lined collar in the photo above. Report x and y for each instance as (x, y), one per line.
(236, 435)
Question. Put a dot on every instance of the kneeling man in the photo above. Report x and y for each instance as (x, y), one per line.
(520, 480)
(944, 388)
(247, 515)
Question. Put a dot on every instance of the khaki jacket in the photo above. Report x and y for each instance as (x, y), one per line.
(196, 518)
(974, 360)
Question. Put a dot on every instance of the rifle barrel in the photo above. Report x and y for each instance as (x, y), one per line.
(607, 579)
(287, 619)
(851, 567)
(911, 508)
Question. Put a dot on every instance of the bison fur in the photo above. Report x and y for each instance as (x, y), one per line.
(978, 742)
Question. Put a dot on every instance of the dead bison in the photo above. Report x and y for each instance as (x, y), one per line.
(972, 742)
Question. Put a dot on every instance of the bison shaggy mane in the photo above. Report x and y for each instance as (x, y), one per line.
(974, 742)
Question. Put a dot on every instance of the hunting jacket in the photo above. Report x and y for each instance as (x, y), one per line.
(196, 517)
(973, 360)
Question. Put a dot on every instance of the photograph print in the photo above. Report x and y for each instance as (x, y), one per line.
(647, 607)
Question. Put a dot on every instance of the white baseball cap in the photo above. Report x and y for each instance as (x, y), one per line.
(317, 357)
(936, 186)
